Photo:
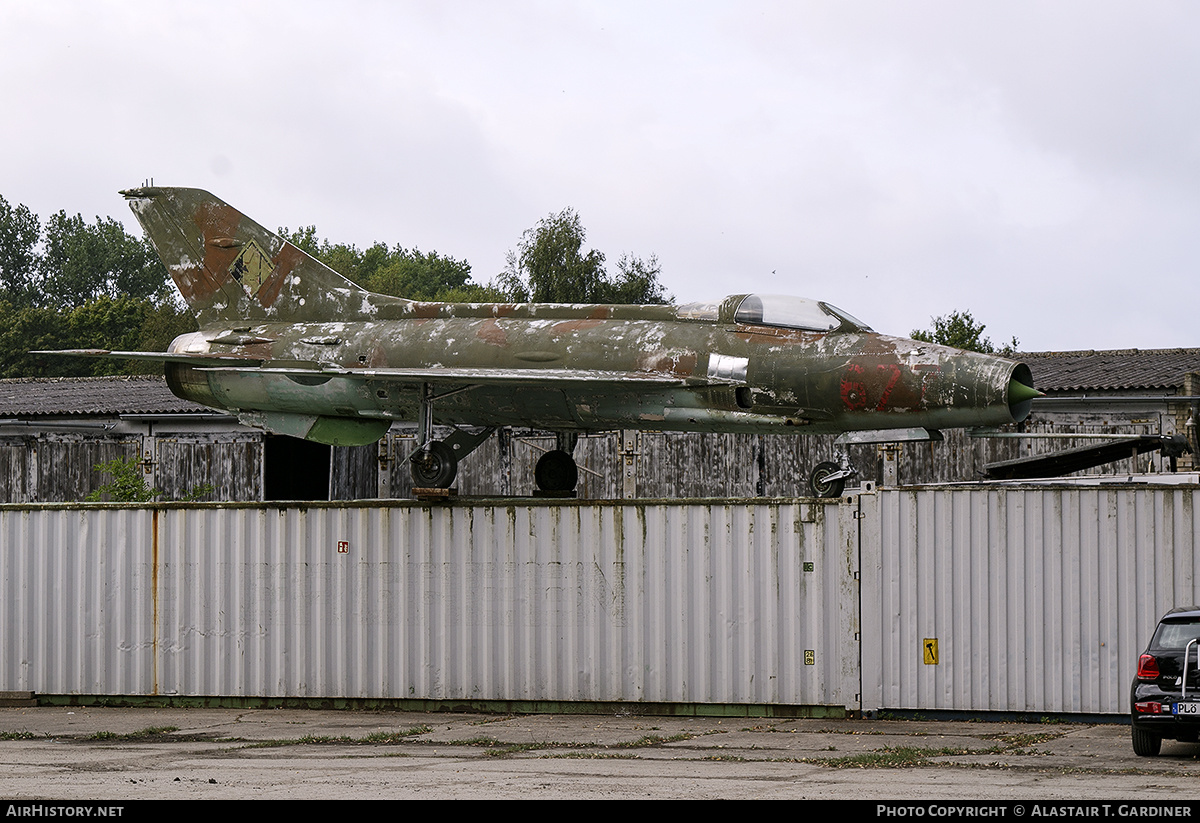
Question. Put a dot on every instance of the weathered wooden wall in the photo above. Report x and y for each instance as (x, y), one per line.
(232, 464)
(58, 467)
(53, 467)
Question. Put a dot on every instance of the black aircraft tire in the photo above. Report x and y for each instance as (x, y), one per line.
(435, 467)
(556, 472)
(826, 488)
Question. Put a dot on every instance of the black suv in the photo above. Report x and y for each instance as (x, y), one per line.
(1165, 696)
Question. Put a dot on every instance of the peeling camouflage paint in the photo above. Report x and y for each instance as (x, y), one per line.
(318, 348)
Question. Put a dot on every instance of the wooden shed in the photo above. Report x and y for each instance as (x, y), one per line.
(55, 431)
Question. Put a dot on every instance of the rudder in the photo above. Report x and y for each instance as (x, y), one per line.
(227, 267)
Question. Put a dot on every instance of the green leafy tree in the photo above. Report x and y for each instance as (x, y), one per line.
(419, 276)
(960, 330)
(550, 266)
(162, 323)
(123, 323)
(83, 261)
(304, 238)
(26, 328)
(397, 271)
(72, 284)
(637, 281)
(20, 233)
(126, 483)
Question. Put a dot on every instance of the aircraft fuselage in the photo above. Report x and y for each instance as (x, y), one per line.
(724, 375)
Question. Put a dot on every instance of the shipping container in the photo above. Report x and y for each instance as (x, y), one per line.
(1030, 598)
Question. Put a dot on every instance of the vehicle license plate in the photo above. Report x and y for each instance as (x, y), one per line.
(1187, 708)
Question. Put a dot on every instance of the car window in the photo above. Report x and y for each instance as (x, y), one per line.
(1176, 635)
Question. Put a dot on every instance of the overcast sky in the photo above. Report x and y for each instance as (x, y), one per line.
(1035, 163)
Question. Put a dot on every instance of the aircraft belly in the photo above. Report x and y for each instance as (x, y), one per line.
(248, 390)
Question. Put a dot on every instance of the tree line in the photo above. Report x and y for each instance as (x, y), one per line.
(961, 330)
(66, 283)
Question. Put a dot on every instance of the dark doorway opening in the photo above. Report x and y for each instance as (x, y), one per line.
(295, 469)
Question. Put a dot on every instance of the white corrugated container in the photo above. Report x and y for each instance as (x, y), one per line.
(76, 600)
(1038, 598)
(708, 602)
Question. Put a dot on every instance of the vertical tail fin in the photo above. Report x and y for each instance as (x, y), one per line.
(228, 267)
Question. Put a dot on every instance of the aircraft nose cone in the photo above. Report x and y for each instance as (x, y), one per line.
(1018, 392)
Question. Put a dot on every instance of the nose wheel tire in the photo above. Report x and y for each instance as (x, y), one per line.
(433, 466)
(823, 484)
(556, 472)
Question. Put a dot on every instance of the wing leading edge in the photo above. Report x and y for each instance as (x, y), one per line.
(487, 376)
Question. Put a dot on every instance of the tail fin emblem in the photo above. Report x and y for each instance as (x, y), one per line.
(251, 268)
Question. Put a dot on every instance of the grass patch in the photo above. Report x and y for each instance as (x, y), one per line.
(141, 734)
(498, 748)
(373, 739)
(390, 738)
(653, 740)
(890, 757)
(1012, 743)
(506, 749)
(593, 755)
(896, 757)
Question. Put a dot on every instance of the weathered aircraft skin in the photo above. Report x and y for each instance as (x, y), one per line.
(291, 346)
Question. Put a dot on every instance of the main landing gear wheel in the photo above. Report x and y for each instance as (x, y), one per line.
(434, 466)
(556, 472)
(822, 482)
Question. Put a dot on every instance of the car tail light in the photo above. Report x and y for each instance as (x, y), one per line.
(1147, 668)
(1150, 707)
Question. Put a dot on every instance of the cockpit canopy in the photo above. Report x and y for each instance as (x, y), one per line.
(775, 310)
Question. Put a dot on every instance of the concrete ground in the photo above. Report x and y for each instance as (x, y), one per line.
(115, 754)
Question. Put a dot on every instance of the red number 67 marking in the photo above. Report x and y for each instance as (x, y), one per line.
(854, 387)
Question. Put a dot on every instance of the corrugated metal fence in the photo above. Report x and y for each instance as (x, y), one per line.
(688, 603)
(1019, 598)
(1034, 598)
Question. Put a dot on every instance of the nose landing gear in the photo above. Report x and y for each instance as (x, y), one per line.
(828, 479)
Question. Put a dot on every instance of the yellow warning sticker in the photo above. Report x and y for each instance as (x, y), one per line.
(252, 267)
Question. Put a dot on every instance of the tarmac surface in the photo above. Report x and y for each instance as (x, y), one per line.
(114, 754)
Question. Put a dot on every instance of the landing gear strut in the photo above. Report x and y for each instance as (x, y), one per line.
(434, 463)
